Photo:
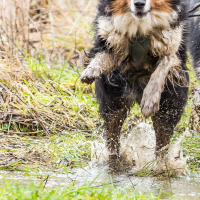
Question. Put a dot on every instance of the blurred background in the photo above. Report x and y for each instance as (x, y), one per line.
(40, 44)
(53, 28)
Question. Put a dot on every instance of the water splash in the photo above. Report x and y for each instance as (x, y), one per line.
(138, 149)
(174, 161)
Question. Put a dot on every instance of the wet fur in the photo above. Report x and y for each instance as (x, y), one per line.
(121, 83)
(152, 93)
(194, 39)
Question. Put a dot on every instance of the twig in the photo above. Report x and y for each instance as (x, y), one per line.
(45, 181)
(52, 29)
(131, 182)
(22, 133)
(158, 174)
(168, 176)
(9, 123)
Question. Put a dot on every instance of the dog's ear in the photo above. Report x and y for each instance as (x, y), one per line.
(162, 5)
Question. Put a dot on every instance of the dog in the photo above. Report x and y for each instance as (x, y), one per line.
(139, 55)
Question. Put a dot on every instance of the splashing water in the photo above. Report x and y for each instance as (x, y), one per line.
(138, 149)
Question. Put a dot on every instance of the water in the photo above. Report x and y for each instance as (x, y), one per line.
(138, 146)
(183, 188)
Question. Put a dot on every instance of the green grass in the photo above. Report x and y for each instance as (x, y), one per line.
(34, 153)
(191, 146)
(54, 97)
(78, 99)
(10, 191)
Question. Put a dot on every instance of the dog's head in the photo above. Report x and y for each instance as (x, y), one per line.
(141, 8)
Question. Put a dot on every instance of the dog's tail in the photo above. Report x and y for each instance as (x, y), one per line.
(194, 39)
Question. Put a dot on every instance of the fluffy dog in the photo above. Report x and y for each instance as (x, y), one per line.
(139, 55)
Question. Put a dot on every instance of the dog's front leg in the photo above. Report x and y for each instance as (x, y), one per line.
(152, 93)
(102, 63)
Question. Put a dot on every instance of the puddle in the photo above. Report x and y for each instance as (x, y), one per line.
(183, 188)
(138, 146)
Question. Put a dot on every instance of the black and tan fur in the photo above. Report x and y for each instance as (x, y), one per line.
(156, 80)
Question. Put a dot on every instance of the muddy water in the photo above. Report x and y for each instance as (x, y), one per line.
(183, 188)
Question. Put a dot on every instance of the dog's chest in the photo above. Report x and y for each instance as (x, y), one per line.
(138, 49)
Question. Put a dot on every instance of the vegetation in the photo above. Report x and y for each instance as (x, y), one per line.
(86, 191)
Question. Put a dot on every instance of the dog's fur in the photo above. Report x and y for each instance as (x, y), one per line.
(194, 39)
(123, 78)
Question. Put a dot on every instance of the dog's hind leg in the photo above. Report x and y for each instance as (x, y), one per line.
(173, 100)
(114, 106)
(113, 122)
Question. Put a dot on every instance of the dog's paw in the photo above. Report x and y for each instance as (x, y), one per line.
(90, 74)
(150, 103)
(172, 164)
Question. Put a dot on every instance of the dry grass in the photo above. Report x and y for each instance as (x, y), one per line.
(36, 98)
(40, 92)
(35, 95)
(53, 28)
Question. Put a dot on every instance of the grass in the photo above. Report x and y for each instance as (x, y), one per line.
(55, 28)
(51, 119)
(62, 143)
(31, 153)
(51, 115)
(191, 146)
(53, 99)
(9, 191)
